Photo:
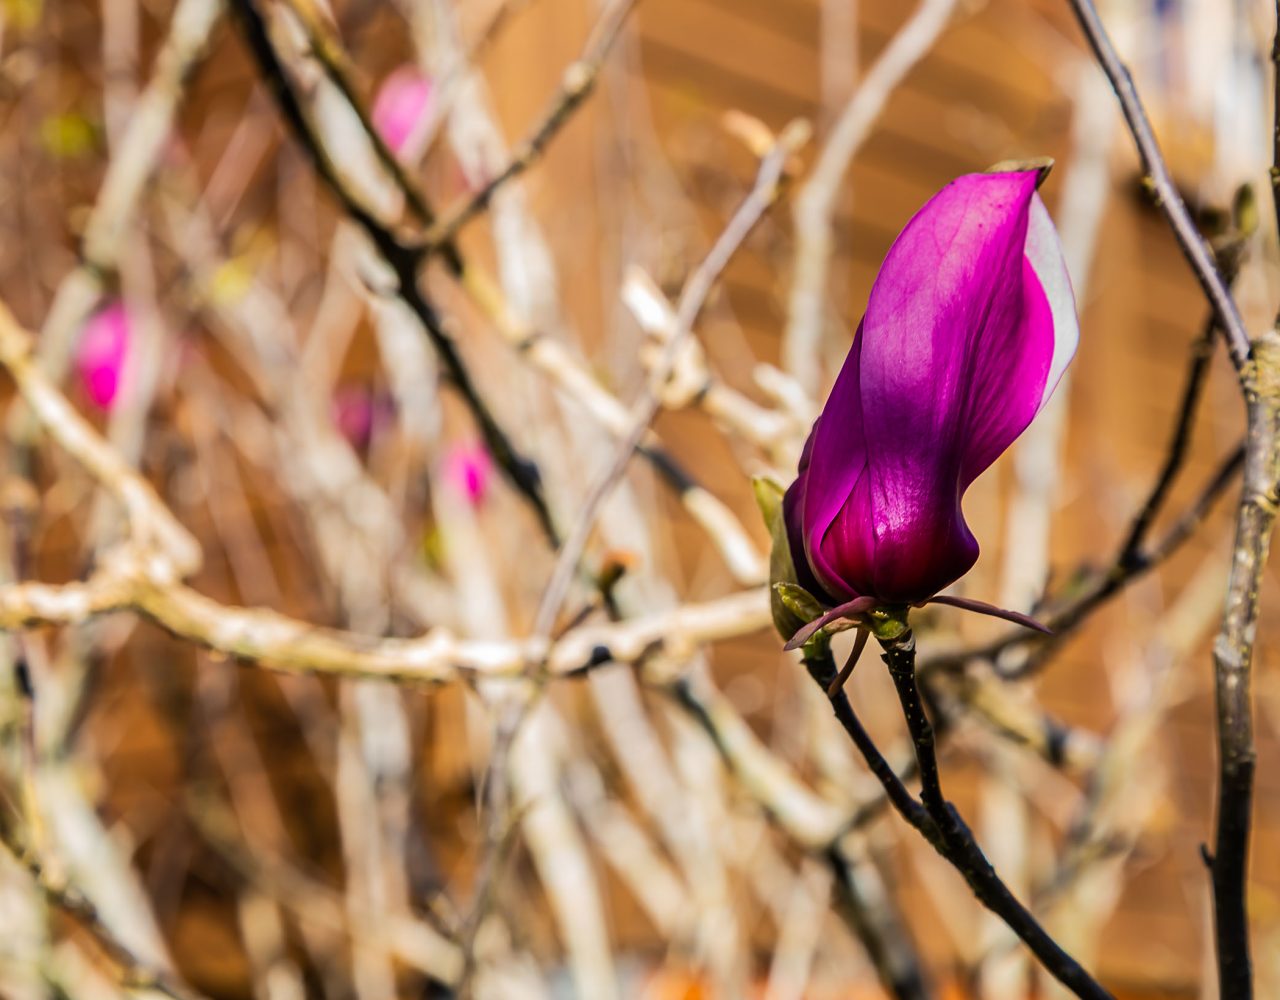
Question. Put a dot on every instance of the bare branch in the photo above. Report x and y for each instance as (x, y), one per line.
(1166, 192)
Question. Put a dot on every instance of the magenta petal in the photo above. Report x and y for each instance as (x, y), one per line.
(956, 369)
(101, 353)
(793, 516)
(402, 101)
(983, 608)
(969, 326)
(469, 469)
(951, 362)
(834, 463)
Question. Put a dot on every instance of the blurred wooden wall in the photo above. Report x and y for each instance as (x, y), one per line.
(995, 88)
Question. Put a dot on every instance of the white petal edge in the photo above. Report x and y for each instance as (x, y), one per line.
(1044, 252)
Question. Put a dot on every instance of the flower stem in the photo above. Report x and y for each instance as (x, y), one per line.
(934, 817)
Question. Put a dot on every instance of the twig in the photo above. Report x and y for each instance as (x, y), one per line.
(544, 352)
(1228, 260)
(778, 433)
(555, 843)
(575, 86)
(150, 521)
(1233, 657)
(124, 184)
(863, 899)
(402, 260)
(134, 972)
(815, 203)
(327, 49)
(696, 289)
(582, 389)
(275, 641)
(143, 576)
(936, 819)
(1170, 201)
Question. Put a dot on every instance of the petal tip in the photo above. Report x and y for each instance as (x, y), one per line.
(1042, 165)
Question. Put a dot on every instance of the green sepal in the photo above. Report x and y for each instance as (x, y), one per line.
(798, 602)
(887, 623)
(799, 608)
(769, 493)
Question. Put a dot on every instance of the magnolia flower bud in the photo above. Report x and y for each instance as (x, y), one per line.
(969, 326)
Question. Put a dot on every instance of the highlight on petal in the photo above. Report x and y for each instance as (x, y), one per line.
(101, 353)
(402, 103)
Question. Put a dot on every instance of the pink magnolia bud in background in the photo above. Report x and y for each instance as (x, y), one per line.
(468, 469)
(101, 353)
(352, 412)
(402, 102)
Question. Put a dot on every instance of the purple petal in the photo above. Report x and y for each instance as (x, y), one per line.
(953, 359)
(101, 354)
(983, 608)
(792, 512)
(840, 447)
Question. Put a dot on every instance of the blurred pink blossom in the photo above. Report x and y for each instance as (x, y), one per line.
(402, 102)
(101, 352)
(357, 412)
(468, 469)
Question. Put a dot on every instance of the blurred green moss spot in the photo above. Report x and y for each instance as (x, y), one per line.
(22, 14)
(69, 135)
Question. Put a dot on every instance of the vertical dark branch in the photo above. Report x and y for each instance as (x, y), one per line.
(1233, 650)
(1233, 657)
(936, 819)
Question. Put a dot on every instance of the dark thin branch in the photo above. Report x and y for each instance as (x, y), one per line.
(1228, 254)
(332, 59)
(327, 49)
(1170, 201)
(520, 471)
(1233, 657)
(575, 86)
(937, 820)
(1233, 649)
(1201, 355)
